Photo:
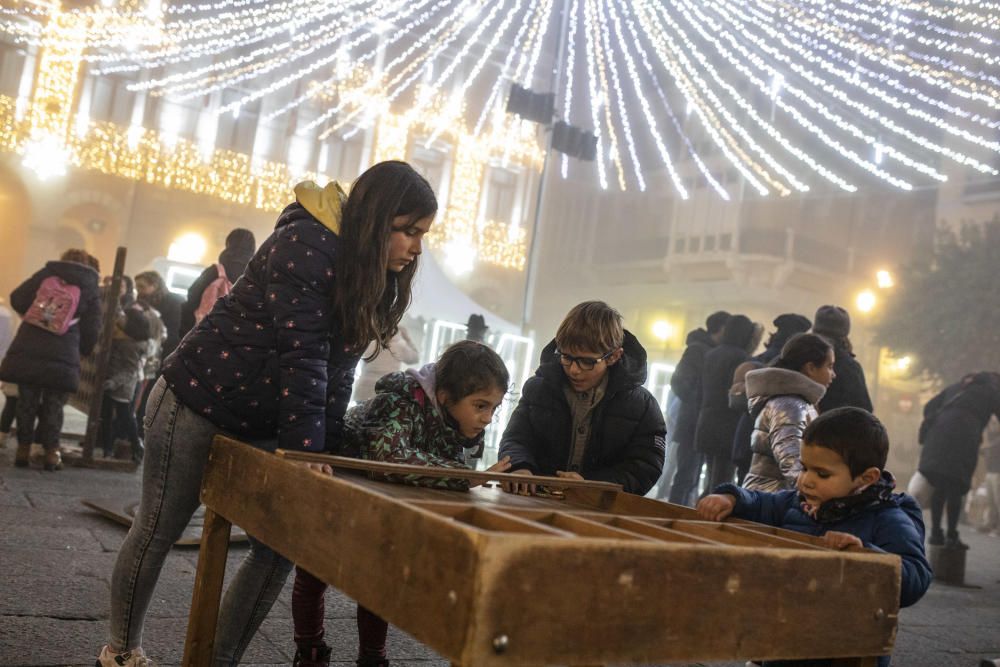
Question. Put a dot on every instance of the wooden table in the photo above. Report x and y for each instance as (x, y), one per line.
(600, 576)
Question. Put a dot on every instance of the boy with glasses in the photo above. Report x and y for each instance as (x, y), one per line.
(585, 414)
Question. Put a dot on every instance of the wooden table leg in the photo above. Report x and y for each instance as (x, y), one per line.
(207, 591)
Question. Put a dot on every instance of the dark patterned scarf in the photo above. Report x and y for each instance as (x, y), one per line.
(839, 509)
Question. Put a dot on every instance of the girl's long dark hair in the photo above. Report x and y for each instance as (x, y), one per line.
(802, 349)
(368, 298)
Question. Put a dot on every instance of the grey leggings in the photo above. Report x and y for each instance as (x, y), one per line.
(177, 446)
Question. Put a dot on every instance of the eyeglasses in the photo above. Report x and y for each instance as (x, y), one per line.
(584, 363)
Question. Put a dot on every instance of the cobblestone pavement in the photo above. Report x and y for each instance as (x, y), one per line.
(56, 558)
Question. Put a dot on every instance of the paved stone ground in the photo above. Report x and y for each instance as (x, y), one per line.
(56, 558)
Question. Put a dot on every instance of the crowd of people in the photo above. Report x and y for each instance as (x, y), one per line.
(62, 308)
(266, 346)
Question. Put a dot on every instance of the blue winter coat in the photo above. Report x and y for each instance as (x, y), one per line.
(268, 360)
(894, 525)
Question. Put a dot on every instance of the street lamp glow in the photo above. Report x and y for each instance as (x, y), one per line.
(187, 248)
(884, 279)
(866, 301)
(459, 256)
(663, 330)
(903, 363)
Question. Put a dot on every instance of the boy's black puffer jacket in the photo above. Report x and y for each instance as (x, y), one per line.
(627, 428)
(269, 361)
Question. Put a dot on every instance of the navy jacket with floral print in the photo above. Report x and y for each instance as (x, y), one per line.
(403, 423)
(268, 360)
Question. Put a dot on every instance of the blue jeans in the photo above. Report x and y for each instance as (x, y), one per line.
(177, 447)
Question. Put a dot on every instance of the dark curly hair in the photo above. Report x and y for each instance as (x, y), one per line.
(467, 367)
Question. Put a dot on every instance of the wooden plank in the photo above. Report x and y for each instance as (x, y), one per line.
(584, 527)
(627, 504)
(462, 590)
(661, 532)
(425, 563)
(480, 476)
(200, 643)
(504, 523)
(644, 592)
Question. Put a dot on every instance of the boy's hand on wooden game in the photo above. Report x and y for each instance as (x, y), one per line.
(520, 488)
(716, 507)
(569, 475)
(836, 540)
(503, 465)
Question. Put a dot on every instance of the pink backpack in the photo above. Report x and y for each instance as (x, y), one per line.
(216, 289)
(54, 306)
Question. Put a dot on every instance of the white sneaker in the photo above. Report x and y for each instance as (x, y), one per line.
(133, 658)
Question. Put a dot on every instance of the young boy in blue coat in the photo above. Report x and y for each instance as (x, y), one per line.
(844, 495)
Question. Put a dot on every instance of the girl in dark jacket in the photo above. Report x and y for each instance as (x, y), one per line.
(951, 434)
(272, 364)
(717, 421)
(46, 365)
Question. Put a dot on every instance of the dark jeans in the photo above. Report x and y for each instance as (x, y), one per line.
(946, 497)
(8, 414)
(720, 470)
(44, 405)
(118, 421)
(308, 609)
(684, 490)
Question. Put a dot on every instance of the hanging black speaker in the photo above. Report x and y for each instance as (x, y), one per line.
(536, 107)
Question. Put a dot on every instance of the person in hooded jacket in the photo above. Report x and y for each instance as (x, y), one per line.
(685, 384)
(272, 364)
(135, 325)
(717, 421)
(46, 365)
(786, 326)
(849, 388)
(431, 416)
(585, 414)
(950, 435)
(240, 247)
(783, 400)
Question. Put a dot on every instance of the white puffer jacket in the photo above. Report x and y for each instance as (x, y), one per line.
(789, 399)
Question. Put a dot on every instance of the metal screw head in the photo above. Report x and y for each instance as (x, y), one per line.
(500, 643)
(879, 614)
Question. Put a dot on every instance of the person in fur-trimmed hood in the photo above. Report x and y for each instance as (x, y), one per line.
(783, 401)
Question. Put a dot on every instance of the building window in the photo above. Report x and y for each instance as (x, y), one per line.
(112, 101)
(11, 67)
(501, 191)
(430, 164)
(236, 133)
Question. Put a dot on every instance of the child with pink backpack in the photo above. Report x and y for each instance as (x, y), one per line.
(61, 319)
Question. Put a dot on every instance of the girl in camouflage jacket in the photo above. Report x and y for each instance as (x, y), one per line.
(434, 416)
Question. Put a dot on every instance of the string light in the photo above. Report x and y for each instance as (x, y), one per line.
(570, 65)
(845, 81)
